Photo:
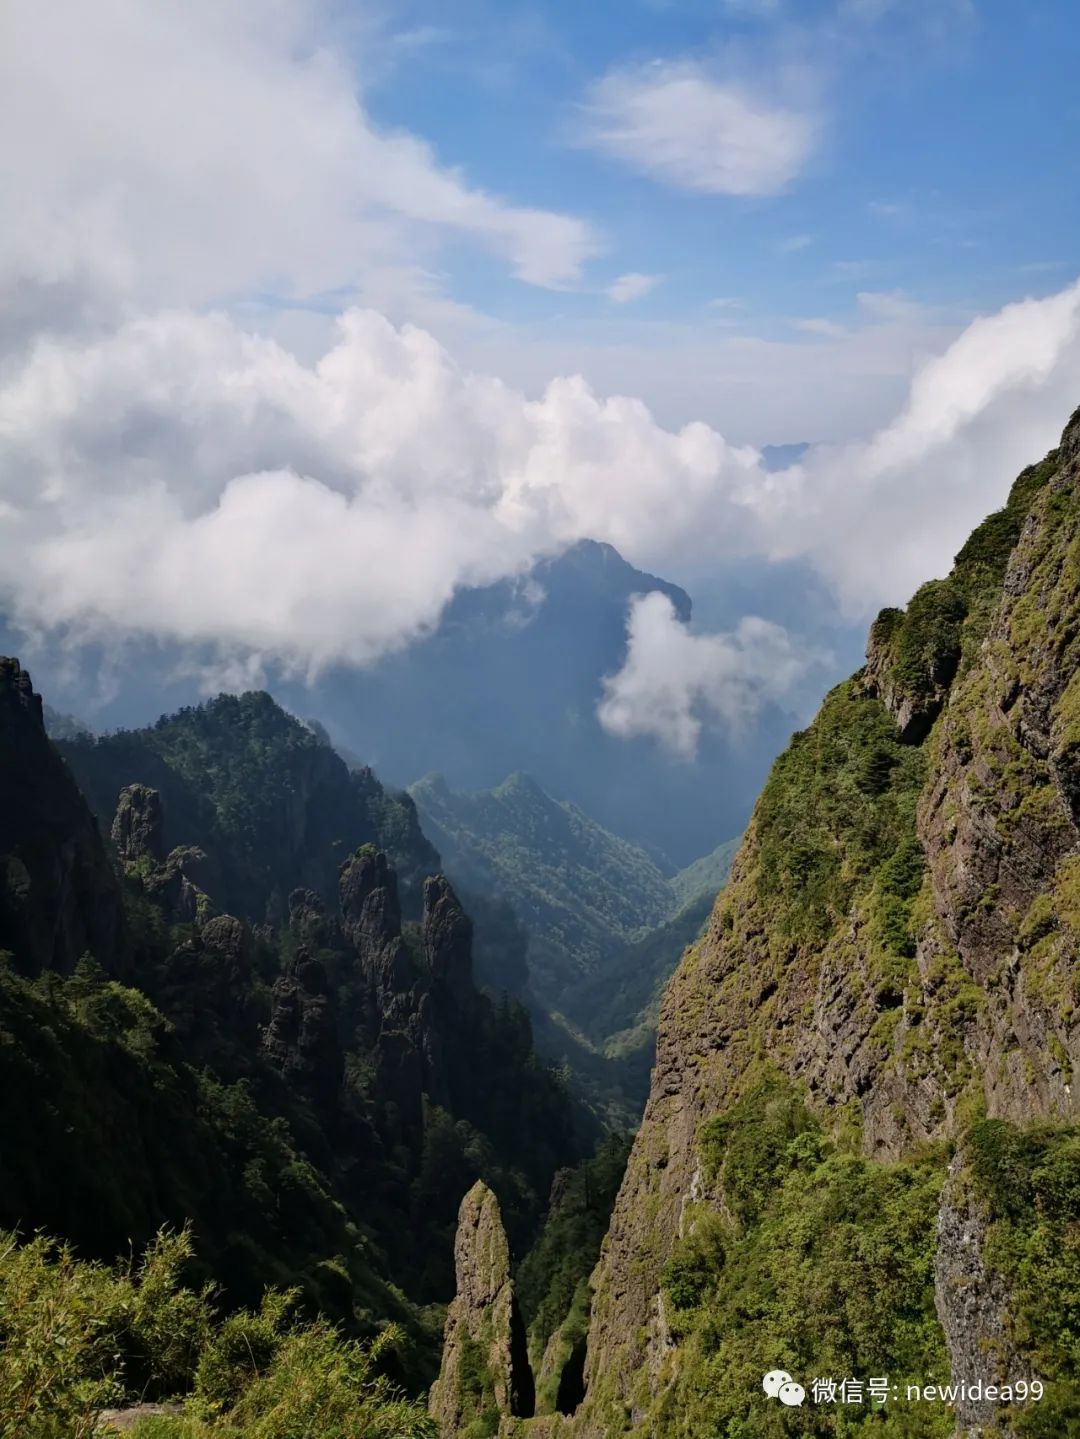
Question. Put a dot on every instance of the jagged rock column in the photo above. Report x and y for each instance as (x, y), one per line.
(137, 824)
(301, 1039)
(485, 1367)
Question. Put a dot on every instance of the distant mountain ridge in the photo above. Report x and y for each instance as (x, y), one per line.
(510, 678)
(605, 924)
(262, 794)
(580, 890)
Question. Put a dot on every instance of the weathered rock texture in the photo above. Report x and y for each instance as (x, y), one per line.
(301, 1038)
(485, 1373)
(262, 795)
(137, 824)
(973, 1306)
(898, 940)
(174, 881)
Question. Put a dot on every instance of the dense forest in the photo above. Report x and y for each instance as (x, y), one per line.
(233, 1043)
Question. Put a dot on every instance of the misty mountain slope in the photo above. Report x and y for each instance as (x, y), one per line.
(578, 889)
(622, 997)
(510, 681)
(705, 875)
(861, 1150)
(889, 977)
(603, 926)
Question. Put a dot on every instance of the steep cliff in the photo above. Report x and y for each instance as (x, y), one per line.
(887, 986)
(58, 896)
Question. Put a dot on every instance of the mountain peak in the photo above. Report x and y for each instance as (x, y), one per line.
(600, 567)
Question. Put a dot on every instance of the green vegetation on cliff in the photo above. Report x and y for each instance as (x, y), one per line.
(107, 1134)
(815, 1185)
(604, 924)
(1029, 1180)
(579, 890)
(820, 1263)
(552, 1281)
(311, 1096)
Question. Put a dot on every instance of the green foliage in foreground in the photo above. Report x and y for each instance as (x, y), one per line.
(822, 1265)
(106, 1135)
(78, 1337)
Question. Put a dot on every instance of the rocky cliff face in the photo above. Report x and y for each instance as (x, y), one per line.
(485, 1374)
(301, 1039)
(891, 972)
(58, 896)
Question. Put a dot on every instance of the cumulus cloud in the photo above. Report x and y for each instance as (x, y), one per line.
(183, 153)
(673, 680)
(180, 478)
(879, 517)
(678, 124)
(165, 473)
(632, 286)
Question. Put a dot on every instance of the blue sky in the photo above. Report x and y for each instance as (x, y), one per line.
(318, 310)
(943, 164)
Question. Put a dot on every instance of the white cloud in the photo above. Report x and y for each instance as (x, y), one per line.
(179, 154)
(678, 124)
(183, 479)
(166, 473)
(879, 517)
(673, 681)
(632, 286)
(794, 243)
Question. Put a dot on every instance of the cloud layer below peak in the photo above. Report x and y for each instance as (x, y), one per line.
(183, 479)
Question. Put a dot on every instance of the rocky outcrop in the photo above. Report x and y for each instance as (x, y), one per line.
(58, 895)
(174, 881)
(309, 920)
(485, 1371)
(137, 824)
(914, 690)
(972, 1302)
(371, 918)
(266, 799)
(448, 936)
(301, 1038)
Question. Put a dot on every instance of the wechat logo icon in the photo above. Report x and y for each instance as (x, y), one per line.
(778, 1384)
